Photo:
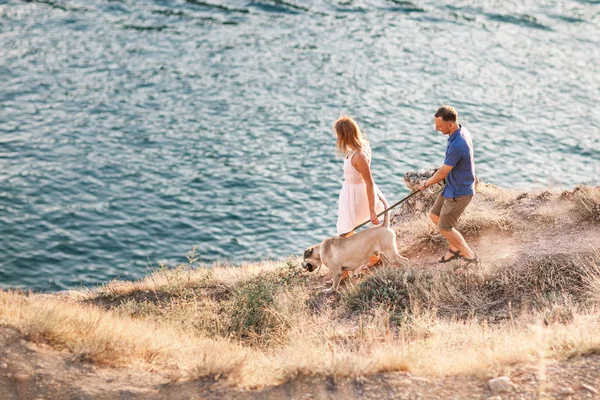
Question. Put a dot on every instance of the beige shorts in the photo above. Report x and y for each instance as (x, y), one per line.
(449, 210)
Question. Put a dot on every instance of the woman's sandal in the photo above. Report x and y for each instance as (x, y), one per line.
(455, 256)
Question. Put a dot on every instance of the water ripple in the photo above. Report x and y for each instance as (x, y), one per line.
(132, 131)
(524, 20)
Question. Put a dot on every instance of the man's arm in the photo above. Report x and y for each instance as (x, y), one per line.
(439, 175)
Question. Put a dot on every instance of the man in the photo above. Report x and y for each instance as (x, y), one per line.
(459, 172)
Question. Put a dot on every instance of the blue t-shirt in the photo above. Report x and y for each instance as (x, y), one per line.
(459, 154)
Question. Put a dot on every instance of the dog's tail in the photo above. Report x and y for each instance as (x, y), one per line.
(386, 216)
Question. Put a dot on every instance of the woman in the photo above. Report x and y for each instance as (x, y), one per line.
(360, 199)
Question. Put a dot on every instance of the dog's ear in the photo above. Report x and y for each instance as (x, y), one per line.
(308, 252)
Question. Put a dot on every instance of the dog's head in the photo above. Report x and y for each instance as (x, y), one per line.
(312, 258)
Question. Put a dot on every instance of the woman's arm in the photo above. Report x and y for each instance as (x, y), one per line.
(361, 163)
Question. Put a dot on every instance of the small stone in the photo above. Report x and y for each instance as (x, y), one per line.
(590, 388)
(567, 391)
(494, 398)
(420, 379)
(71, 293)
(4, 365)
(499, 385)
(21, 377)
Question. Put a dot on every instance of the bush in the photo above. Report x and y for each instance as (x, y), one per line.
(396, 290)
(249, 308)
(587, 203)
(260, 308)
(537, 284)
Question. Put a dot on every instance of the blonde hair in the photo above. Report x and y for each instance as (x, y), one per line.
(349, 136)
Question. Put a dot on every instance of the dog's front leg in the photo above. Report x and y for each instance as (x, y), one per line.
(402, 261)
(337, 277)
(396, 259)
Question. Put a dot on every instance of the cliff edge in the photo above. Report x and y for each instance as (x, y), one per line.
(528, 315)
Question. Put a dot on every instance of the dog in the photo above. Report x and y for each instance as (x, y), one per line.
(348, 253)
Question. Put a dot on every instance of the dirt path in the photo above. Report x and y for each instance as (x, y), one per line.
(501, 249)
(541, 224)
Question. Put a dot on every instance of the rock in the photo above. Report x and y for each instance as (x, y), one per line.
(21, 377)
(499, 385)
(74, 294)
(567, 391)
(590, 388)
(419, 203)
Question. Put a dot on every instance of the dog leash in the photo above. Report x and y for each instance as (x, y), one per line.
(384, 211)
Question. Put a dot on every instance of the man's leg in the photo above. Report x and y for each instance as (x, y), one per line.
(457, 241)
(434, 215)
(450, 213)
(435, 218)
(436, 221)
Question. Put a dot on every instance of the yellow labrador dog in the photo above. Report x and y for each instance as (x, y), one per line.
(348, 253)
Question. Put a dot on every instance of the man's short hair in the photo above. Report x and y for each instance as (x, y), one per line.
(448, 113)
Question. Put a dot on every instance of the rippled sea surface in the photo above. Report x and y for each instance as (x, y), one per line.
(131, 131)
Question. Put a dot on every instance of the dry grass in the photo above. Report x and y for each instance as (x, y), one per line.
(273, 327)
(590, 273)
(478, 220)
(545, 285)
(548, 214)
(498, 196)
(172, 281)
(420, 233)
(105, 338)
(587, 203)
(243, 303)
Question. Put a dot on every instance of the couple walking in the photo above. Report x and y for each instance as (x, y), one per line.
(360, 198)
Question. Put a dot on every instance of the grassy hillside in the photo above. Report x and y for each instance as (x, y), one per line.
(258, 325)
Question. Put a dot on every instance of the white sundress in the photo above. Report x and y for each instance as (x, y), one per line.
(353, 204)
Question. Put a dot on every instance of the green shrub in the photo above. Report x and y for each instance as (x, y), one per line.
(259, 308)
(396, 290)
(249, 307)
